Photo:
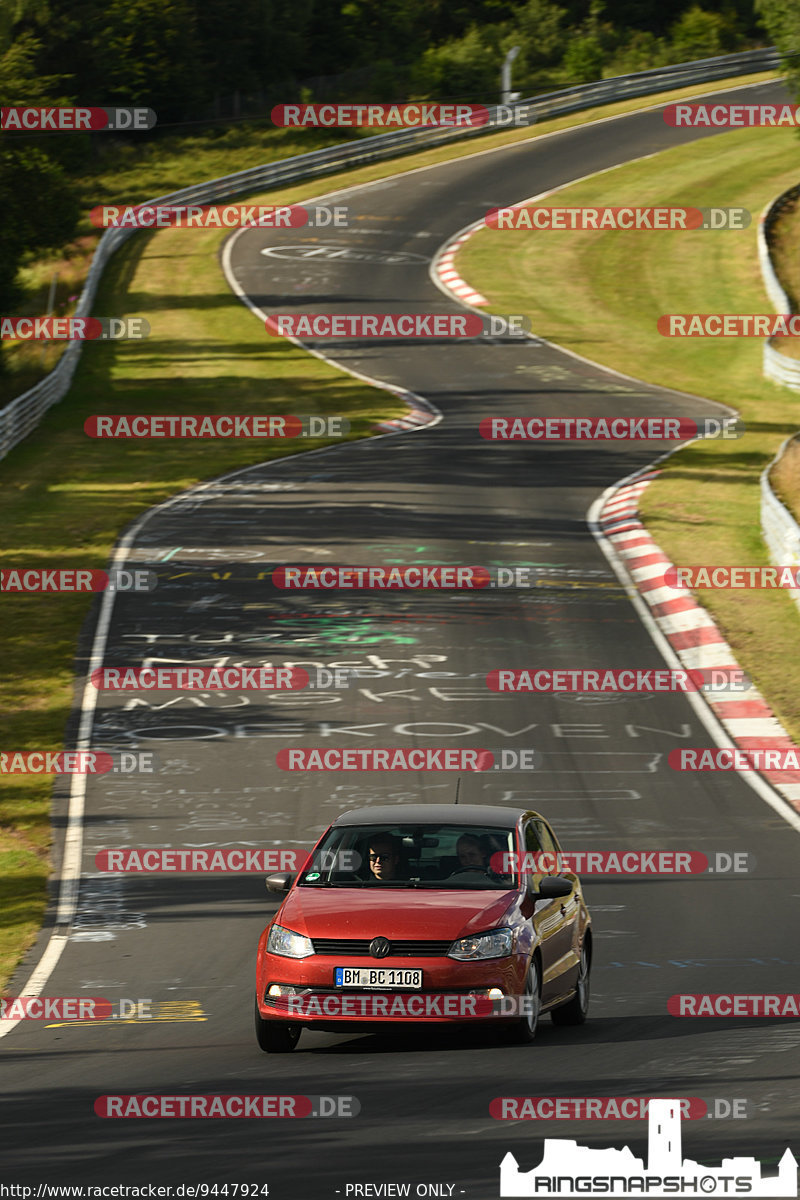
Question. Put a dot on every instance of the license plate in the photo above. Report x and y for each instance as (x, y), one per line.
(366, 977)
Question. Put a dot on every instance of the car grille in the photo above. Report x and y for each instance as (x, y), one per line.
(399, 948)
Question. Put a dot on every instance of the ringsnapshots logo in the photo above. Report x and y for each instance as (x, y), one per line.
(540, 217)
(397, 325)
(73, 329)
(568, 1169)
(147, 425)
(603, 429)
(67, 580)
(219, 216)
(76, 120)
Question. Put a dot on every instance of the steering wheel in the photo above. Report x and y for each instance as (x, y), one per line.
(461, 870)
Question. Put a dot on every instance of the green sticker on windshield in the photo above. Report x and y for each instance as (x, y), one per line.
(312, 875)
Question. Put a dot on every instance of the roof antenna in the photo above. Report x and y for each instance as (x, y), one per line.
(458, 788)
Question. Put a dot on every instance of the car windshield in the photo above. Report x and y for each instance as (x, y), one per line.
(468, 857)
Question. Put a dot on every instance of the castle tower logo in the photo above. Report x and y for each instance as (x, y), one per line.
(570, 1170)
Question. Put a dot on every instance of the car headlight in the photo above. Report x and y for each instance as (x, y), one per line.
(497, 944)
(288, 943)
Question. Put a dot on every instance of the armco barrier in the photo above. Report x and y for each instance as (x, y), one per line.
(24, 413)
(778, 367)
(781, 531)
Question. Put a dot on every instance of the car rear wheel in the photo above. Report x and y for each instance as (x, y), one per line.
(523, 1030)
(574, 1013)
(275, 1037)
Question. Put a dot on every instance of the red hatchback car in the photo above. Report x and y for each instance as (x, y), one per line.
(436, 913)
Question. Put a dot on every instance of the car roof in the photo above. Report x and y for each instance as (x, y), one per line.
(433, 814)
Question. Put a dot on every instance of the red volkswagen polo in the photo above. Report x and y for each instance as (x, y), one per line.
(436, 913)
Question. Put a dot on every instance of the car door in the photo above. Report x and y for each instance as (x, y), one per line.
(547, 919)
(566, 954)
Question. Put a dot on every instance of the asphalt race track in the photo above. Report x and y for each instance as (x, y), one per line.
(438, 495)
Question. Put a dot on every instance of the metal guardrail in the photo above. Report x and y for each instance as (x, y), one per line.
(777, 366)
(24, 413)
(779, 528)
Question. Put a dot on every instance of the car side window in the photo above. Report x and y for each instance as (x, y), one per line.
(549, 845)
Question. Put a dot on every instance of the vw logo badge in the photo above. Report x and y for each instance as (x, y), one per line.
(379, 947)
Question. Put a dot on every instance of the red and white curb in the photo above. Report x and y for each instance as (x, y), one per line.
(449, 276)
(690, 630)
(415, 419)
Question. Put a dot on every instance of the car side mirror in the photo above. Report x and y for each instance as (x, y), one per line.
(552, 886)
(280, 882)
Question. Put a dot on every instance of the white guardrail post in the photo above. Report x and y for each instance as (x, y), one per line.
(24, 413)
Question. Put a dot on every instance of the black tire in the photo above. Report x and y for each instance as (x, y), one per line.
(275, 1037)
(574, 1013)
(523, 1031)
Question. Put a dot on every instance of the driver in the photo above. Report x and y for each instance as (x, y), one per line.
(384, 858)
(470, 852)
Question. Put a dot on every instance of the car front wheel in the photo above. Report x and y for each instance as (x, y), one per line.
(275, 1037)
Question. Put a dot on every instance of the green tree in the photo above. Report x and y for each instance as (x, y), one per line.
(781, 19)
(467, 67)
(38, 205)
(700, 34)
